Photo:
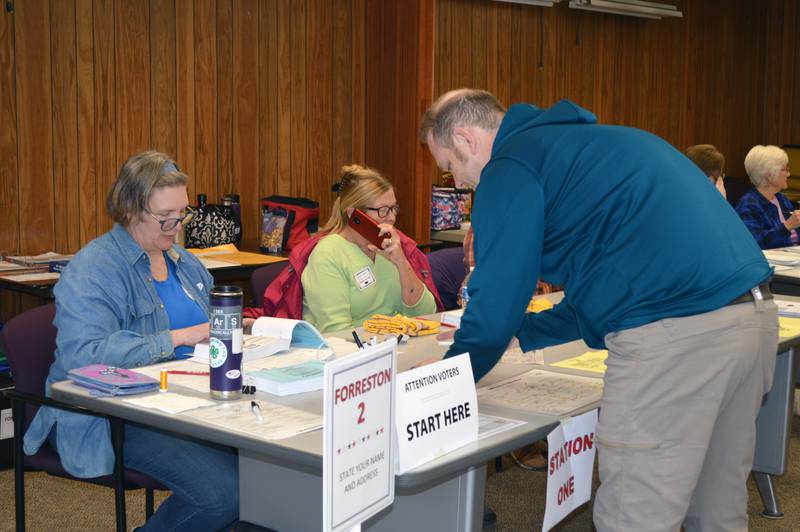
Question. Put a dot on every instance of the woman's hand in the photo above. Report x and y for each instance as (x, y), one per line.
(392, 250)
(247, 325)
(793, 221)
(190, 335)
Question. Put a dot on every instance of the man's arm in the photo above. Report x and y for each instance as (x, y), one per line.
(551, 327)
(508, 220)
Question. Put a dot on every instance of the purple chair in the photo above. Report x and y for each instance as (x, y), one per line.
(448, 272)
(30, 343)
(261, 277)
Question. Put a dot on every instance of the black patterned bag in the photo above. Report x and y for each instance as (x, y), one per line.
(212, 225)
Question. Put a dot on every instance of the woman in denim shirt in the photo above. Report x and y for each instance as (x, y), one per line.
(131, 298)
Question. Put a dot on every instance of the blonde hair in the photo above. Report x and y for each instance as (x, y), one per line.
(763, 162)
(139, 176)
(357, 187)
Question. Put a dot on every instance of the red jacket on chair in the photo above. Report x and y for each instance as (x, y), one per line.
(283, 298)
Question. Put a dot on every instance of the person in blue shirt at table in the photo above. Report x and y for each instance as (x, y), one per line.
(656, 267)
(767, 213)
(131, 298)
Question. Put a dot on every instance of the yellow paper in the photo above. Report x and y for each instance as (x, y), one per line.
(788, 327)
(589, 361)
(229, 253)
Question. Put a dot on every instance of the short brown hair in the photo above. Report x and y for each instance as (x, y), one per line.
(461, 107)
(139, 176)
(708, 158)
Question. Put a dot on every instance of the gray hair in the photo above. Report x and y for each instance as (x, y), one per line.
(457, 108)
(763, 162)
(139, 176)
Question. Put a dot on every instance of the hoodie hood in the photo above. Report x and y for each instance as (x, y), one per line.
(523, 116)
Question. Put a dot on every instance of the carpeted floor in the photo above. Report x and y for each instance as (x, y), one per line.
(517, 497)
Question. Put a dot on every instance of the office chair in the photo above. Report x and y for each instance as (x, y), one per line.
(448, 272)
(262, 277)
(30, 343)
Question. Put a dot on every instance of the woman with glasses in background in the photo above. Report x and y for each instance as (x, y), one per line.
(132, 298)
(767, 213)
(338, 279)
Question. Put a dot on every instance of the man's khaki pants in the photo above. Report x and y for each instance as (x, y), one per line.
(676, 433)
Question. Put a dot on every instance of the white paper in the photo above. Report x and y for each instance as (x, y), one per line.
(288, 358)
(544, 391)
(781, 257)
(491, 425)
(171, 403)
(358, 457)
(277, 421)
(570, 463)
(6, 424)
(199, 383)
(515, 355)
(10, 266)
(437, 411)
(788, 308)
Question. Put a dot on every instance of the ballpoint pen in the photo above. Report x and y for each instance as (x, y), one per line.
(256, 411)
(358, 340)
(182, 372)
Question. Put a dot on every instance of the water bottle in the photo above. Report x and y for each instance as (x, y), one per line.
(225, 347)
(463, 295)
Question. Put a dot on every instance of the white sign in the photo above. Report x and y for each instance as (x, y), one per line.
(569, 467)
(6, 424)
(437, 411)
(358, 463)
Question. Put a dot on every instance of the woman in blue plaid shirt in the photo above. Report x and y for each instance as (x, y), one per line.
(767, 213)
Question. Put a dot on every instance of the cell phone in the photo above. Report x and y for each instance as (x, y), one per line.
(366, 227)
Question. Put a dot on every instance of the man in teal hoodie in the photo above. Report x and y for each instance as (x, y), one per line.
(656, 267)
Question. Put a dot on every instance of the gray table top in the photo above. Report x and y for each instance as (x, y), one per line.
(304, 451)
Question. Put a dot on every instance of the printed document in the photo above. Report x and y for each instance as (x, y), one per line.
(544, 391)
(277, 421)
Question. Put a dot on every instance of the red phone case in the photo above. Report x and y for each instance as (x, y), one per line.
(366, 227)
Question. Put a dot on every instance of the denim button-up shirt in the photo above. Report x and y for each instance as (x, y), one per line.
(108, 312)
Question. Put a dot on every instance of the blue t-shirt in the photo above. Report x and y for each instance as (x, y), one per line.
(182, 310)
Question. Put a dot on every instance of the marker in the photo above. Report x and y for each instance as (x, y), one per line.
(256, 411)
(358, 340)
(163, 383)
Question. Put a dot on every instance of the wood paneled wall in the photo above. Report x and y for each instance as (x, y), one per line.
(256, 97)
(267, 97)
(727, 73)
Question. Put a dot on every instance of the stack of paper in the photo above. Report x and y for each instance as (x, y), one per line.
(788, 308)
(300, 378)
(452, 317)
(270, 336)
(782, 257)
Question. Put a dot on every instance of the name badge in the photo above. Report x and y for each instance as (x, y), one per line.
(364, 278)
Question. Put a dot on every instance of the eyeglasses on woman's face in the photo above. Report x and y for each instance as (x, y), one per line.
(168, 224)
(383, 212)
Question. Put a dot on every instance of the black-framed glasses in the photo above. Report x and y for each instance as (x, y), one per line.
(383, 212)
(168, 224)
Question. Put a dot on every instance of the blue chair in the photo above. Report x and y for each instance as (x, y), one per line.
(30, 343)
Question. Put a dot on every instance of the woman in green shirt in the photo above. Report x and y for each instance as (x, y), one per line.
(347, 279)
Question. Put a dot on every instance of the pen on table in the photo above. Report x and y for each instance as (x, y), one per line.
(358, 340)
(256, 411)
(182, 372)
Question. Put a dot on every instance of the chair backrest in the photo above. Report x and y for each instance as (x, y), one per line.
(448, 272)
(261, 277)
(30, 343)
